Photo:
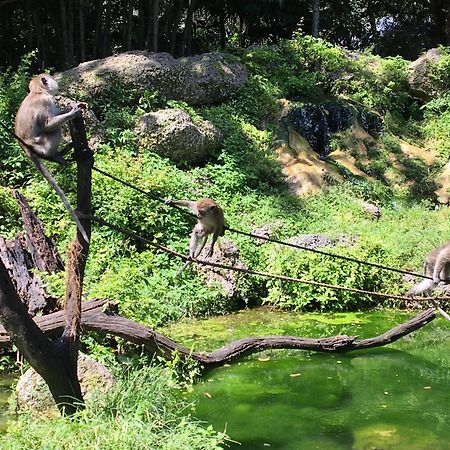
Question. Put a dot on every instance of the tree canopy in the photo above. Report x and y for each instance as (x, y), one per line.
(67, 32)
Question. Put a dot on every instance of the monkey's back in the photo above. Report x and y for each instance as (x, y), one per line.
(31, 120)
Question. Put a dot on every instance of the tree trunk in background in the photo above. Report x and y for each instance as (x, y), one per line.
(187, 34)
(70, 31)
(316, 18)
(447, 25)
(81, 30)
(439, 19)
(142, 22)
(29, 15)
(178, 9)
(223, 34)
(42, 45)
(106, 31)
(64, 36)
(155, 17)
(98, 38)
(128, 13)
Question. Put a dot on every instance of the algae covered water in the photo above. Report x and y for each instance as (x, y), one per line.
(394, 397)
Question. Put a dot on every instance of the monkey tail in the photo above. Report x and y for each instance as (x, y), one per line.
(421, 287)
(182, 268)
(49, 177)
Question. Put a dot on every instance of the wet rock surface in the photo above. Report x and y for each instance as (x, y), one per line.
(316, 123)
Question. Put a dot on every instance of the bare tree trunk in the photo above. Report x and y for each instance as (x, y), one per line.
(70, 32)
(42, 43)
(447, 25)
(81, 25)
(106, 31)
(129, 24)
(223, 35)
(176, 21)
(155, 26)
(439, 19)
(29, 15)
(316, 18)
(64, 35)
(98, 38)
(187, 34)
(142, 23)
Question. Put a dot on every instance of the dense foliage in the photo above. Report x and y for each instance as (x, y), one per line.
(246, 179)
(72, 31)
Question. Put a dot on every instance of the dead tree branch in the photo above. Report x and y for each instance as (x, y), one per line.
(94, 319)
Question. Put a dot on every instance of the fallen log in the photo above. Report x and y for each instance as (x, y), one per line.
(98, 316)
(26, 253)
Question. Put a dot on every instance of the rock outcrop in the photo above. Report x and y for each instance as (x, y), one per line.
(173, 134)
(420, 81)
(198, 80)
(33, 393)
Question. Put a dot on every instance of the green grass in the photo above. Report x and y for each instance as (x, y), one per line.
(144, 411)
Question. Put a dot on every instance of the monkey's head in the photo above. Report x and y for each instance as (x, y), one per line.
(205, 207)
(43, 82)
(205, 210)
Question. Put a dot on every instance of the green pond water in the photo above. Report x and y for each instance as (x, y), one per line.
(6, 381)
(394, 397)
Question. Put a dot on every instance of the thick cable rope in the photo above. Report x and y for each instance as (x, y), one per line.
(255, 236)
(233, 230)
(255, 272)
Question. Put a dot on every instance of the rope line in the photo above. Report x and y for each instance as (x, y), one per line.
(255, 236)
(142, 191)
(233, 230)
(255, 272)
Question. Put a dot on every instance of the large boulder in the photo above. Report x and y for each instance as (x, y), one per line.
(33, 393)
(235, 284)
(173, 134)
(203, 79)
(420, 81)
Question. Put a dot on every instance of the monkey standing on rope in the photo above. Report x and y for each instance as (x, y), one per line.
(210, 220)
(38, 125)
(437, 267)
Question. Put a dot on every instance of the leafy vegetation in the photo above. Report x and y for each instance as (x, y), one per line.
(143, 411)
(246, 179)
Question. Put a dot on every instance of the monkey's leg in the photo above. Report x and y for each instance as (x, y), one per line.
(198, 241)
(213, 241)
(441, 262)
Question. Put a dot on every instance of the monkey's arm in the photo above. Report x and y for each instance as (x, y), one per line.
(186, 203)
(55, 122)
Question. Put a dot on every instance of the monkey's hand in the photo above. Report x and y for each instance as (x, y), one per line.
(210, 251)
(75, 110)
(436, 279)
(168, 201)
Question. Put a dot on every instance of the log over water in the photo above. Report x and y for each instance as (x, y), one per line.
(101, 316)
